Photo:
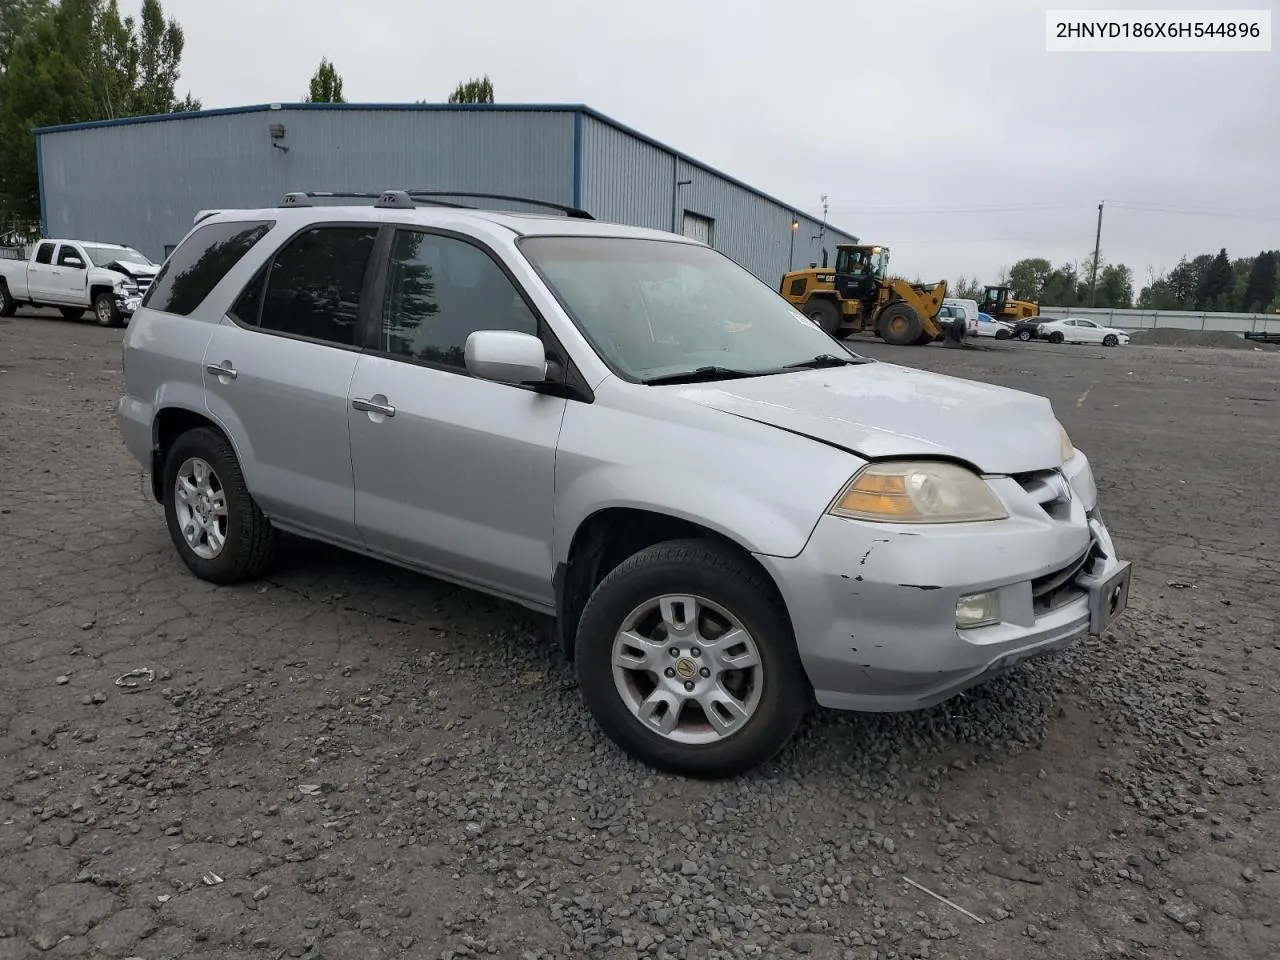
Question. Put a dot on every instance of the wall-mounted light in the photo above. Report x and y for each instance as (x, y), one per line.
(277, 134)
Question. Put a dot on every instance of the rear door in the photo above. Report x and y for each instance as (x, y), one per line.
(276, 374)
(453, 473)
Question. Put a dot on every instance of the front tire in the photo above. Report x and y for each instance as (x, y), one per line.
(1025, 335)
(213, 520)
(686, 659)
(105, 310)
(1056, 337)
(901, 326)
(825, 314)
(1111, 340)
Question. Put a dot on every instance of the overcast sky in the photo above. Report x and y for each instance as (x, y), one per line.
(940, 127)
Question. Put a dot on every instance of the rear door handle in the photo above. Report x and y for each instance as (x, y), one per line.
(373, 406)
(224, 369)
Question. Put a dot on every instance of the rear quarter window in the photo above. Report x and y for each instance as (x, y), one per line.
(200, 262)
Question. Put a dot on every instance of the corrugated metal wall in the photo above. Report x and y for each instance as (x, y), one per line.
(141, 183)
(627, 179)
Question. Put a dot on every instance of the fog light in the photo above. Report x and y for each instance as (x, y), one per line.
(978, 610)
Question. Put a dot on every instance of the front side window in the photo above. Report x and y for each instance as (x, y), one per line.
(656, 308)
(313, 285)
(200, 263)
(439, 290)
(69, 256)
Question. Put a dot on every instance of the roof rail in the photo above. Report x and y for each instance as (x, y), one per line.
(567, 209)
(407, 199)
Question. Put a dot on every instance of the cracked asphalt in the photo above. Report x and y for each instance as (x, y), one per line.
(348, 760)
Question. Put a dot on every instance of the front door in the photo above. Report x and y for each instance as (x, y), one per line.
(42, 277)
(453, 473)
(72, 276)
(276, 375)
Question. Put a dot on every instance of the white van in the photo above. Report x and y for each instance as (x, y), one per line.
(953, 307)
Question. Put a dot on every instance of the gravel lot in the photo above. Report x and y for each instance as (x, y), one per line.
(347, 760)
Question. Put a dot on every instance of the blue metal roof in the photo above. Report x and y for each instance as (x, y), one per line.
(578, 108)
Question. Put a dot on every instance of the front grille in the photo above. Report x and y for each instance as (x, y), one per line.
(1050, 489)
(1057, 587)
(143, 283)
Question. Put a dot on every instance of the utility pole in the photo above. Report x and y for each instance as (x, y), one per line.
(791, 261)
(822, 231)
(1097, 247)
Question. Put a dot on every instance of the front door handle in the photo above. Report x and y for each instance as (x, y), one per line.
(224, 369)
(373, 406)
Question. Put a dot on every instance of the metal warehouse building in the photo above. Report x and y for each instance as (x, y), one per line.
(141, 180)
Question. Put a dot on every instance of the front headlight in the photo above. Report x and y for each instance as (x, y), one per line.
(918, 492)
(1068, 448)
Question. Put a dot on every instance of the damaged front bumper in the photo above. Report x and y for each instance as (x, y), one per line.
(876, 607)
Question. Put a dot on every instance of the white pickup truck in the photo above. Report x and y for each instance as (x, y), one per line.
(75, 276)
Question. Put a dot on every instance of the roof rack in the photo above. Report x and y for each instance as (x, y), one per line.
(408, 199)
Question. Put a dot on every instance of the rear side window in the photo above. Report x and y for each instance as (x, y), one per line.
(314, 285)
(44, 253)
(200, 262)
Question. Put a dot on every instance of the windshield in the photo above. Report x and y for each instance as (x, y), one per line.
(101, 256)
(656, 308)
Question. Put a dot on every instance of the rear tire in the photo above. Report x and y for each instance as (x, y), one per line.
(900, 325)
(825, 314)
(7, 305)
(247, 539)
(71, 313)
(625, 669)
(105, 310)
(1111, 340)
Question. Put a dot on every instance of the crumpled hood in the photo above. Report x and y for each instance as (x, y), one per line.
(133, 269)
(885, 410)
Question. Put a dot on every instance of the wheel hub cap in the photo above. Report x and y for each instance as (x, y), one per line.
(201, 508)
(687, 669)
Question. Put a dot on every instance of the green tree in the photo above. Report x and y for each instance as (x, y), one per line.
(473, 91)
(16, 17)
(1028, 277)
(1213, 292)
(1260, 290)
(1062, 288)
(1115, 287)
(326, 85)
(77, 60)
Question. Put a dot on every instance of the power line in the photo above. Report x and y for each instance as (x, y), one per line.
(1191, 212)
(1133, 205)
(995, 208)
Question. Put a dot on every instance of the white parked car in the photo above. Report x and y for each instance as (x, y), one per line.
(989, 326)
(1080, 330)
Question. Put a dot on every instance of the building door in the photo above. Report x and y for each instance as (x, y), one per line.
(697, 227)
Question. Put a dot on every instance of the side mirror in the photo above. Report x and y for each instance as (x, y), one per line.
(506, 356)
(74, 262)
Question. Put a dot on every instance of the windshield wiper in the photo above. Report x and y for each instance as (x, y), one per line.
(702, 375)
(825, 360)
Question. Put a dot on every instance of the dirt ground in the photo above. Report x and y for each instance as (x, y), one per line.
(345, 760)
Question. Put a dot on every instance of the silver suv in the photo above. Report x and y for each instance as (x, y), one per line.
(729, 514)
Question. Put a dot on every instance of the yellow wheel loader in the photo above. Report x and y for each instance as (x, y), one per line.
(997, 302)
(860, 295)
